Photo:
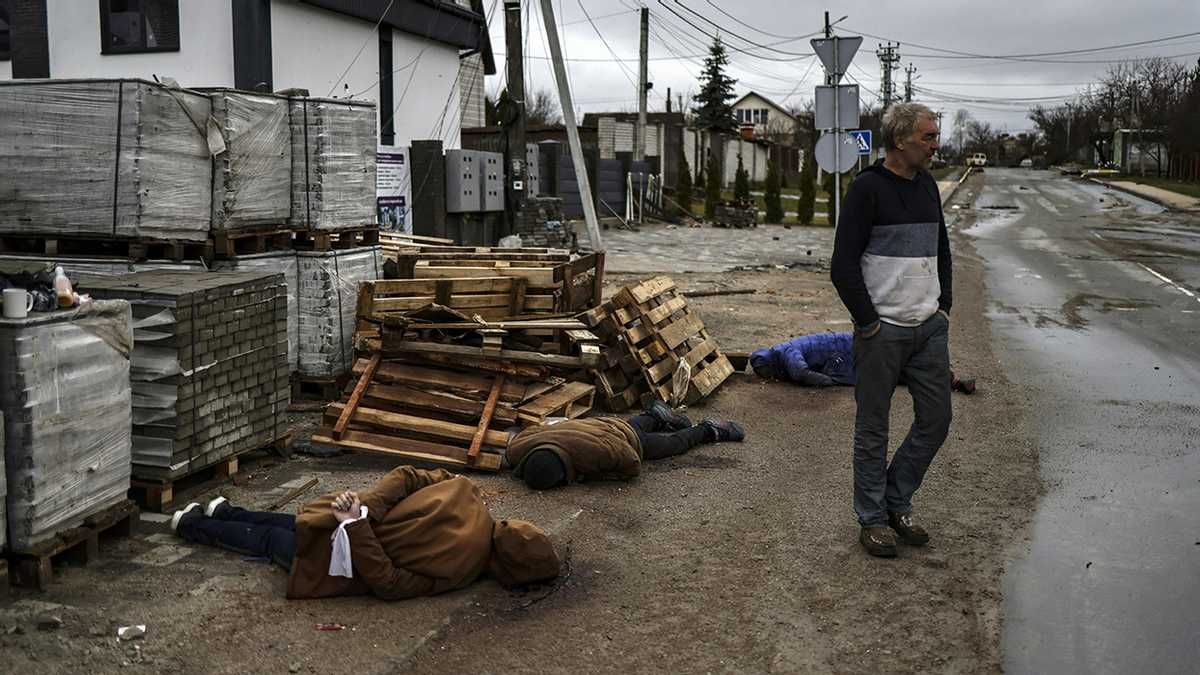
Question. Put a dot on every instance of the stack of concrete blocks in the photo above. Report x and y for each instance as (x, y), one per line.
(210, 374)
(333, 163)
(104, 158)
(3, 501)
(540, 223)
(66, 402)
(326, 300)
(74, 266)
(284, 262)
(252, 175)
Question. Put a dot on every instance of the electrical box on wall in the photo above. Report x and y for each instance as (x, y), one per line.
(492, 184)
(464, 181)
(532, 167)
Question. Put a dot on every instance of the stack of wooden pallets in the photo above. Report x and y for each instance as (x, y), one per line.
(648, 330)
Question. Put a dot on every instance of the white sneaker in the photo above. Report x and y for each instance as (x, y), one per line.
(180, 513)
(213, 505)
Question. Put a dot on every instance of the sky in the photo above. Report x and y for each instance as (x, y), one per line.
(995, 90)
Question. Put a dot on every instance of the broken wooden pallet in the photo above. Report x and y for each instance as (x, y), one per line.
(488, 297)
(34, 567)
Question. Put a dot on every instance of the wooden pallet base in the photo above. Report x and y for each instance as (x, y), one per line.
(34, 568)
(318, 388)
(233, 244)
(160, 495)
(332, 240)
(129, 249)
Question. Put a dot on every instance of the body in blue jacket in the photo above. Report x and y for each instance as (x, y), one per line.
(818, 360)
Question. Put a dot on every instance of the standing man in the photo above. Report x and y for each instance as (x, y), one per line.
(891, 267)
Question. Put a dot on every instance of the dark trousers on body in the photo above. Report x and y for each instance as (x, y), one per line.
(920, 355)
(267, 535)
(657, 443)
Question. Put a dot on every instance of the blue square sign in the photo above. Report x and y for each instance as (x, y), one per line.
(863, 138)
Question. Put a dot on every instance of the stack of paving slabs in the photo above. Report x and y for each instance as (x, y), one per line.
(326, 299)
(252, 175)
(567, 282)
(65, 399)
(104, 159)
(210, 372)
(648, 330)
(333, 163)
(440, 388)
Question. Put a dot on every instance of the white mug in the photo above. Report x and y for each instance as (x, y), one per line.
(17, 303)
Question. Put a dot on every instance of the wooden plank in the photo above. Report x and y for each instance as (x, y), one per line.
(438, 378)
(518, 300)
(537, 278)
(292, 494)
(639, 293)
(356, 396)
(481, 364)
(568, 325)
(536, 358)
(663, 311)
(485, 420)
(411, 449)
(404, 396)
(666, 367)
(386, 287)
(460, 302)
(544, 406)
(581, 335)
(546, 259)
(383, 419)
(707, 380)
(399, 236)
(674, 334)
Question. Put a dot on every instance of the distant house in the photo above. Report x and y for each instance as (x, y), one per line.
(768, 119)
(423, 67)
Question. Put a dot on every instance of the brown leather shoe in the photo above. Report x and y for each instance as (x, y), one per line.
(879, 541)
(910, 533)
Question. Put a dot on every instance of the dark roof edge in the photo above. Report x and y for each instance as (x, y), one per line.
(438, 20)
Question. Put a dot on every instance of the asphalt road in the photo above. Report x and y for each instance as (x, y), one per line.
(1095, 310)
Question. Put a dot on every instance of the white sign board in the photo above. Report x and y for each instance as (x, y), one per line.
(847, 107)
(846, 155)
(393, 189)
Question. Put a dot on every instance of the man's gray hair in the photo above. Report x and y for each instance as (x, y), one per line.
(900, 121)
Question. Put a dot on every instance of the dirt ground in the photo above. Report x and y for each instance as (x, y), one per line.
(734, 557)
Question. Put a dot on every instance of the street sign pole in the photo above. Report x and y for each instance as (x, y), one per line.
(837, 153)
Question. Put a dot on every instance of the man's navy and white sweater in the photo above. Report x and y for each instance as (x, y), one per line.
(891, 253)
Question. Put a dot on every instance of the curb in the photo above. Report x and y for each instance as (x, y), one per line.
(961, 180)
(1155, 200)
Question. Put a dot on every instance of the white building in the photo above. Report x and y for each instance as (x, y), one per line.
(769, 119)
(422, 67)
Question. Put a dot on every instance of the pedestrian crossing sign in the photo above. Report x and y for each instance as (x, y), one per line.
(863, 138)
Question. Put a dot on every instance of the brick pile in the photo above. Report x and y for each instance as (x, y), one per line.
(541, 223)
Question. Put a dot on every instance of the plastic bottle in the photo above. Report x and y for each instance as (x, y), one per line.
(62, 288)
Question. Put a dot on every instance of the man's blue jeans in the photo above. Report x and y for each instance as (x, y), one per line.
(268, 535)
(921, 357)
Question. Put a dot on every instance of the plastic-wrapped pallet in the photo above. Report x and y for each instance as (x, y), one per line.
(93, 266)
(65, 395)
(111, 158)
(209, 370)
(284, 262)
(3, 493)
(333, 163)
(252, 181)
(328, 297)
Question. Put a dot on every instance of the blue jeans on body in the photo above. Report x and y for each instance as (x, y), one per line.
(266, 535)
(921, 356)
(659, 442)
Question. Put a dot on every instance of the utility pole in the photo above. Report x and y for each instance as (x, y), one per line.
(889, 60)
(908, 73)
(514, 121)
(568, 111)
(639, 147)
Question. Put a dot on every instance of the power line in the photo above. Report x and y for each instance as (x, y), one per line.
(606, 45)
(1032, 56)
(731, 48)
(757, 30)
(725, 29)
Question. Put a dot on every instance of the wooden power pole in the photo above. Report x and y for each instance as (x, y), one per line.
(513, 119)
(639, 148)
(568, 112)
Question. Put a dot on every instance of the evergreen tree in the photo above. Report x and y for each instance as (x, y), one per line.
(741, 182)
(683, 185)
(714, 110)
(712, 188)
(808, 189)
(773, 198)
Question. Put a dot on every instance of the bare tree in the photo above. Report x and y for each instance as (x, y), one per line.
(542, 109)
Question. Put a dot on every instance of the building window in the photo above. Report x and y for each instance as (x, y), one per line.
(133, 26)
(5, 32)
(764, 116)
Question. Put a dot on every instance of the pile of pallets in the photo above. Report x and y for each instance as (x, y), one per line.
(648, 330)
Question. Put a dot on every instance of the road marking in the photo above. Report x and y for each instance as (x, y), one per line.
(1169, 281)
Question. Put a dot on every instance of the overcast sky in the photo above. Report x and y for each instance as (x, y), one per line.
(787, 75)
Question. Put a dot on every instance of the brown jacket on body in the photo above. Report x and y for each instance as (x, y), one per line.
(598, 447)
(426, 532)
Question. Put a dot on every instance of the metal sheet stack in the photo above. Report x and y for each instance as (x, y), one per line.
(326, 301)
(104, 158)
(65, 396)
(333, 163)
(209, 368)
(252, 178)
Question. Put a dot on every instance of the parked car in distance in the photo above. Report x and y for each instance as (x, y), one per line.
(1027, 163)
(977, 159)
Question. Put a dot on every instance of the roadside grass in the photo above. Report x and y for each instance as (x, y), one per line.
(1182, 187)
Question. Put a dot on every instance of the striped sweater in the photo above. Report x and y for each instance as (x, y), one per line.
(891, 253)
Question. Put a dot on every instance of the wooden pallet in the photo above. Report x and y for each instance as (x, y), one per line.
(159, 494)
(34, 568)
(317, 388)
(571, 400)
(125, 248)
(332, 240)
(488, 297)
(260, 240)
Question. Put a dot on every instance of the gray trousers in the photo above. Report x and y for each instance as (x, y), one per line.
(921, 357)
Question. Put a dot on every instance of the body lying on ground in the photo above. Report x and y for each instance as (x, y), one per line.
(415, 533)
(549, 455)
(820, 360)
